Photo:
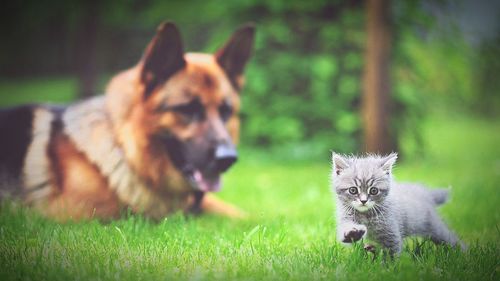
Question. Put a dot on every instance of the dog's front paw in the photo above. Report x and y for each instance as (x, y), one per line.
(354, 234)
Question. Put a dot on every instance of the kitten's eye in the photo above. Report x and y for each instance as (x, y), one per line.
(353, 190)
(373, 191)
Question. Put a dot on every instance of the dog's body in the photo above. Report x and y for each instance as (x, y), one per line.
(155, 143)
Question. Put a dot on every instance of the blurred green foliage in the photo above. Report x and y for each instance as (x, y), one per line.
(487, 76)
(304, 83)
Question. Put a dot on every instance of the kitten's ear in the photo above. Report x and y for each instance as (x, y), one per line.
(339, 163)
(388, 162)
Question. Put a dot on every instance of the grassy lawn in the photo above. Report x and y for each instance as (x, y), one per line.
(35, 90)
(290, 233)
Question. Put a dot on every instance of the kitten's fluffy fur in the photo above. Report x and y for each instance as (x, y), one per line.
(391, 211)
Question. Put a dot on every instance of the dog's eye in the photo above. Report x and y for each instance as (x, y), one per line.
(353, 190)
(193, 110)
(225, 111)
(373, 191)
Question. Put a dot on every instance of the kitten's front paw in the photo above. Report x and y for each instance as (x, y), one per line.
(355, 234)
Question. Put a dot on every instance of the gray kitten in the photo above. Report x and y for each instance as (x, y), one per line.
(370, 203)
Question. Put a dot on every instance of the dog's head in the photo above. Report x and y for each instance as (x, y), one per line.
(177, 113)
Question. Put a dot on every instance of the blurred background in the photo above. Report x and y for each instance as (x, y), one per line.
(344, 75)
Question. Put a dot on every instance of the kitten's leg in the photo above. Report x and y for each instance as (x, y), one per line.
(350, 232)
(370, 248)
(389, 237)
(440, 233)
(394, 243)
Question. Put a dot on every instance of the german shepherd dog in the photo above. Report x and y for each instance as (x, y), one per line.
(155, 143)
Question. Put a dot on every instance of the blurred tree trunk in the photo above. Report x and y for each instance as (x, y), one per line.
(376, 98)
(86, 48)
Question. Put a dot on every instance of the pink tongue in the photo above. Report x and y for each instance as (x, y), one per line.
(207, 185)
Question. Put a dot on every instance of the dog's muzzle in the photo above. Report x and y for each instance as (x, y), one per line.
(225, 157)
(208, 179)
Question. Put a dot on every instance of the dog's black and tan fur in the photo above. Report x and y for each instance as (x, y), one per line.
(156, 142)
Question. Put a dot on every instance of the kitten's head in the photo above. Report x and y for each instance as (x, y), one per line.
(362, 182)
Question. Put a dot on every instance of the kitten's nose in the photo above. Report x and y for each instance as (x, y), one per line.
(363, 201)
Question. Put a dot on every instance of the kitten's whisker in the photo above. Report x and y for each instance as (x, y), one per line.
(379, 212)
(374, 211)
(382, 212)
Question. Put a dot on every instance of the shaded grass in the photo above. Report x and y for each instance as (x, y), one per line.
(290, 232)
(462, 153)
(56, 90)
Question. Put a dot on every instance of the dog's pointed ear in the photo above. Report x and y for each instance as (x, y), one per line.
(234, 55)
(163, 57)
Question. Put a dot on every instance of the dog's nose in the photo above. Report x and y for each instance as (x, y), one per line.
(225, 156)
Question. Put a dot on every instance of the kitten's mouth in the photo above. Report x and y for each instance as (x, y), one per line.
(362, 208)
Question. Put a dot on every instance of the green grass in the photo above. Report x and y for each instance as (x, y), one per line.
(55, 90)
(290, 233)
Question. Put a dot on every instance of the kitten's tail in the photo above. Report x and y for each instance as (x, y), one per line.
(440, 196)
